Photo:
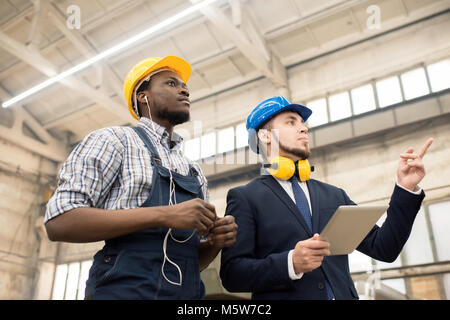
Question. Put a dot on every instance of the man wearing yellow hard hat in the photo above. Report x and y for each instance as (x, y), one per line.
(278, 252)
(133, 188)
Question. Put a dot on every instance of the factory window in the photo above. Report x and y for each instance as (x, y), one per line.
(418, 247)
(439, 74)
(319, 112)
(414, 83)
(363, 99)
(440, 220)
(70, 280)
(446, 278)
(226, 140)
(359, 262)
(340, 107)
(192, 149)
(388, 265)
(359, 100)
(397, 284)
(389, 92)
(382, 264)
(241, 136)
(208, 145)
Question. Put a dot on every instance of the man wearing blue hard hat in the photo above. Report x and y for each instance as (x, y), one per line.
(278, 253)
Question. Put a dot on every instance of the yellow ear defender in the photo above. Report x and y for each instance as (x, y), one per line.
(284, 168)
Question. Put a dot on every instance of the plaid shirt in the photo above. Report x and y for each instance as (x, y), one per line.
(111, 169)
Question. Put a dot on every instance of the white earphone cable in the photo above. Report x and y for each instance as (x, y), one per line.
(172, 195)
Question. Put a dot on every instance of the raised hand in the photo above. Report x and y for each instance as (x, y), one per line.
(411, 169)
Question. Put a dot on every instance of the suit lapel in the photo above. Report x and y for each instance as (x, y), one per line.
(315, 204)
(286, 200)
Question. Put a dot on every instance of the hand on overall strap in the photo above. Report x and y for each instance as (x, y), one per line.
(410, 167)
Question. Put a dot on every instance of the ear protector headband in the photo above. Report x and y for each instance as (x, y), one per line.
(284, 168)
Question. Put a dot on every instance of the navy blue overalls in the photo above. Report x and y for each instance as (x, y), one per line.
(129, 267)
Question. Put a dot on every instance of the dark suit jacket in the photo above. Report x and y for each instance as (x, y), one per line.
(270, 225)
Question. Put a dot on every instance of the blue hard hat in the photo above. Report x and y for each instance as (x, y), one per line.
(266, 110)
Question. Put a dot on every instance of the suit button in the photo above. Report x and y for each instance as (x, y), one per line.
(107, 259)
(321, 286)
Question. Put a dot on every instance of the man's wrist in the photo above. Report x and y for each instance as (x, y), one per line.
(291, 270)
(415, 190)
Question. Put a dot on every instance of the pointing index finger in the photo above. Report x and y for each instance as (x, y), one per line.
(425, 147)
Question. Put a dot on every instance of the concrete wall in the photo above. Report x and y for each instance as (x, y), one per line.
(23, 179)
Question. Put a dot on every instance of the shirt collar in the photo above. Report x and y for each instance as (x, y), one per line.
(161, 133)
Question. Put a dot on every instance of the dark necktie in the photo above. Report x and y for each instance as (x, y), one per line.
(302, 202)
(303, 207)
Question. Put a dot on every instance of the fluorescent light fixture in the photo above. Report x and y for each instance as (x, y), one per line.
(107, 53)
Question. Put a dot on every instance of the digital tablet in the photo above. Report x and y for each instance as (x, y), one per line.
(349, 225)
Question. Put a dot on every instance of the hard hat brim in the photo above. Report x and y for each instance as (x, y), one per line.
(303, 111)
(177, 64)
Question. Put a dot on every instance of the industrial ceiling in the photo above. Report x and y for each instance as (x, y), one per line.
(228, 43)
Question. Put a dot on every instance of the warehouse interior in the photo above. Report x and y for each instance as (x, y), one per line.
(376, 74)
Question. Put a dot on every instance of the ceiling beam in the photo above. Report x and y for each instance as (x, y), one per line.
(78, 40)
(15, 136)
(196, 65)
(310, 18)
(404, 7)
(71, 116)
(33, 36)
(236, 13)
(49, 147)
(27, 54)
(37, 61)
(249, 42)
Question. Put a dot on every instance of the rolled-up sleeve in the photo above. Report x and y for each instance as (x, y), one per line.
(87, 175)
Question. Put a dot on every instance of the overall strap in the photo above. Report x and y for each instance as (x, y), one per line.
(141, 133)
(152, 149)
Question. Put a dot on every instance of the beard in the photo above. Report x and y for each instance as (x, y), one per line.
(174, 117)
(302, 154)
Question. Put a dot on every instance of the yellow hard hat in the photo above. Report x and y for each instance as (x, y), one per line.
(142, 69)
